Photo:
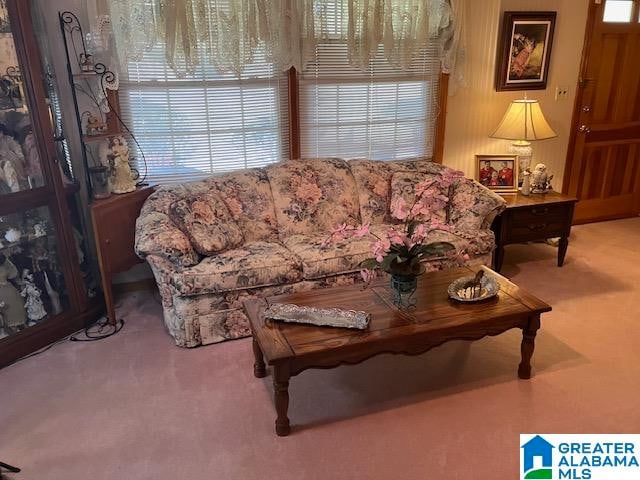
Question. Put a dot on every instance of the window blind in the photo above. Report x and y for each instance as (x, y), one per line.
(209, 122)
(381, 112)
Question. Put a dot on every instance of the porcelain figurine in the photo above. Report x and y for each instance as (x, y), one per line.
(540, 179)
(526, 182)
(33, 302)
(122, 179)
(12, 235)
(14, 317)
(40, 229)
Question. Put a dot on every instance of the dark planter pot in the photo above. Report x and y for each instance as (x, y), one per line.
(404, 289)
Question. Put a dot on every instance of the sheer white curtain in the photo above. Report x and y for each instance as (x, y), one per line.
(228, 32)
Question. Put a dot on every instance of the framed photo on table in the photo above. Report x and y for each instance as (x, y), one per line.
(498, 172)
(524, 50)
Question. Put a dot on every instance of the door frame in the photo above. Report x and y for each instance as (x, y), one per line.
(595, 7)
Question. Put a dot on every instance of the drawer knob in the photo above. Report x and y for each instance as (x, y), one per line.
(540, 211)
(539, 226)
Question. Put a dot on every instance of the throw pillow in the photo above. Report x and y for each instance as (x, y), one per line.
(433, 205)
(205, 219)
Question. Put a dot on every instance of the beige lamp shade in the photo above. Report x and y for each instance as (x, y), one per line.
(524, 121)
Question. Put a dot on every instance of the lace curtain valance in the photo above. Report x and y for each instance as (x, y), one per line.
(230, 31)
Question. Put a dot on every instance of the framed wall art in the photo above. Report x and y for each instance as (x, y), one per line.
(524, 50)
(498, 172)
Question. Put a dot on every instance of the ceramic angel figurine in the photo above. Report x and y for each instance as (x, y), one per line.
(13, 313)
(33, 303)
(122, 179)
(540, 179)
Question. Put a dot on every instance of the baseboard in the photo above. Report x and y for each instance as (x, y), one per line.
(138, 285)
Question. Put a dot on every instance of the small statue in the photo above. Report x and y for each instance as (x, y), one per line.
(116, 157)
(14, 318)
(526, 182)
(12, 235)
(33, 304)
(40, 229)
(95, 126)
(87, 65)
(540, 179)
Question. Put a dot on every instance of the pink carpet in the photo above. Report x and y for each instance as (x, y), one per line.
(135, 406)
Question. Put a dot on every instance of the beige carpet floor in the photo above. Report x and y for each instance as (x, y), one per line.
(137, 407)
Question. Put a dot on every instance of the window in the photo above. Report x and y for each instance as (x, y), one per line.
(617, 11)
(380, 113)
(209, 122)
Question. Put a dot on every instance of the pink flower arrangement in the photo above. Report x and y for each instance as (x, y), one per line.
(400, 249)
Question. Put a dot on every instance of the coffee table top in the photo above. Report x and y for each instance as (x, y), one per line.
(435, 317)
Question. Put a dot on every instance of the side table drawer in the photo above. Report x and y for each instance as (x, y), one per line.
(537, 228)
(537, 215)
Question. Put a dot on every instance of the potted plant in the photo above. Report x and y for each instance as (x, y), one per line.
(400, 249)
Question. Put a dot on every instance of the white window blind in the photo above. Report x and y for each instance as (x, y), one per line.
(189, 128)
(380, 113)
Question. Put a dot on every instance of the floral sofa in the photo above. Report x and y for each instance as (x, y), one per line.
(254, 233)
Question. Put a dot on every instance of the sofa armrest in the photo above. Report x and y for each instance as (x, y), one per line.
(473, 206)
(157, 235)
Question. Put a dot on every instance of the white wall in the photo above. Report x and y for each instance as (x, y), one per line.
(475, 110)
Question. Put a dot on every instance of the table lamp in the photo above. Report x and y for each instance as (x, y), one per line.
(523, 123)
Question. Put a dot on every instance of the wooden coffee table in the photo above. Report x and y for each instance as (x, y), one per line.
(292, 348)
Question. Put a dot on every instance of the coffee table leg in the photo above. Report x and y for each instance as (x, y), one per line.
(527, 346)
(281, 393)
(259, 368)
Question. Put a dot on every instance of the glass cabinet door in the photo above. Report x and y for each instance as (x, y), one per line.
(32, 285)
(20, 165)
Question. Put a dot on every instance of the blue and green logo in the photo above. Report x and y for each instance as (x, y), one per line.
(542, 468)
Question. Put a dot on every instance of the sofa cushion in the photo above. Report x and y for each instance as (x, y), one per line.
(320, 260)
(403, 188)
(205, 219)
(373, 181)
(247, 194)
(156, 234)
(255, 264)
(312, 196)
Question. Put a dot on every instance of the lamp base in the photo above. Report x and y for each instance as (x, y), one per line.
(523, 149)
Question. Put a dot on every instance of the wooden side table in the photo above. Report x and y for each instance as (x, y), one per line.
(114, 225)
(531, 218)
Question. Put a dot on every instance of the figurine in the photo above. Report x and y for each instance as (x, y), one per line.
(33, 303)
(14, 317)
(540, 179)
(40, 229)
(95, 126)
(526, 182)
(12, 235)
(86, 63)
(10, 176)
(122, 179)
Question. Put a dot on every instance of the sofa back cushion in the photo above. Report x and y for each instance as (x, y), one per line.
(435, 200)
(247, 195)
(312, 196)
(373, 180)
(206, 221)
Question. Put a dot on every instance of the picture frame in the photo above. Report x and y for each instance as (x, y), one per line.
(498, 172)
(524, 50)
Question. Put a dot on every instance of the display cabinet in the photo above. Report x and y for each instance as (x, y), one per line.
(47, 289)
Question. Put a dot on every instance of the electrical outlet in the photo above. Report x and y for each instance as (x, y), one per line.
(562, 93)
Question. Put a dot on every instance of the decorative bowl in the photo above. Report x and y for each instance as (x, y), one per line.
(488, 288)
